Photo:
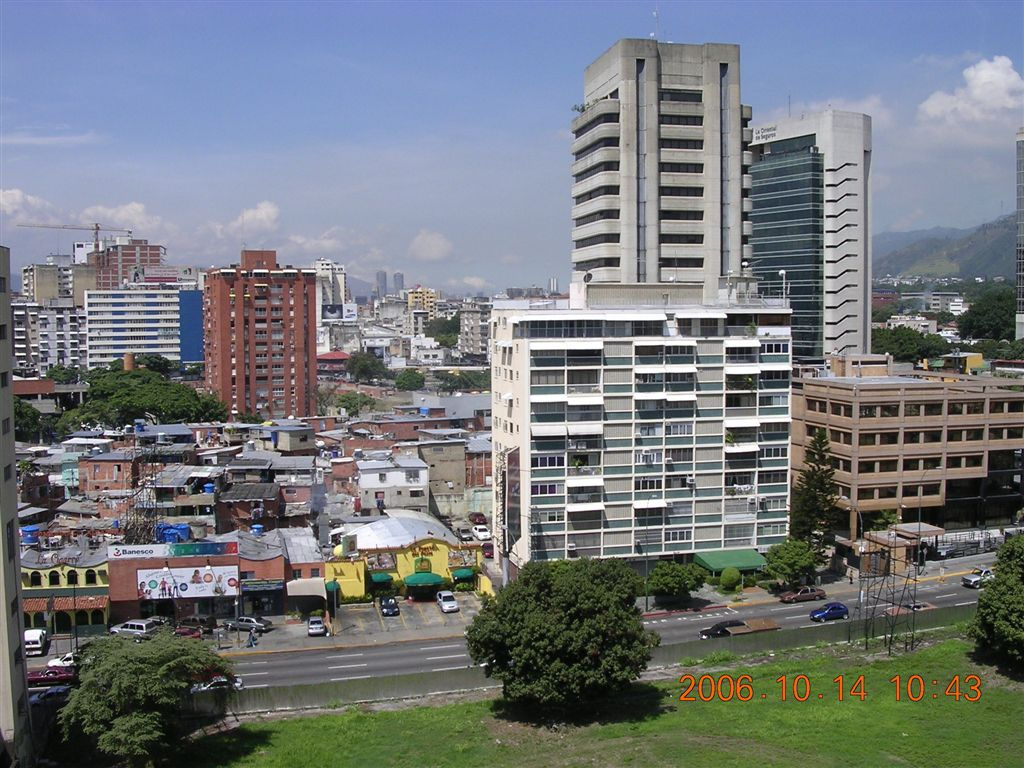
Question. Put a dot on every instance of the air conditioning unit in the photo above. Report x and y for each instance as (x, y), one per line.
(570, 547)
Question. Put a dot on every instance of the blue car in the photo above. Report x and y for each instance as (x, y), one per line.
(830, 611)
(55, 693)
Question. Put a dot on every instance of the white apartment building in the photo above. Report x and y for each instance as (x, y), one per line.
(660, 167)
(145, 319)
(474, 328)
(48, 334)
(394, 481)
(15, 728)
(645, 428)
(811, 236)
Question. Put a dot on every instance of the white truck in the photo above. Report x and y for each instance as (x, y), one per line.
(36, 641)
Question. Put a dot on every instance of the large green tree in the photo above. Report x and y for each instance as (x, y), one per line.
(63, 375)
(27, 421)
(462, 381)
(793, 561)
(444, 330)
(409, 380)
(675, 581)
(157, 364)
(563, 634)
(355, 402)
(131, 696)
(907, 345)
(813, 514)
(118, 397)
(365, 367)
(991, 315)
(998, 626)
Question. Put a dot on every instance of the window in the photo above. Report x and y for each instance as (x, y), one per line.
(314, 573)
(54, 579)
(769, 478)
(773, 452)
(647, 484)
(10, 544)
(547, 461)
(8, 470)
(35, 579)
(692, 97)
(4, 379)
(545, 489)
(678, 534)
(72, 578)
(414, 494)
(771, 529)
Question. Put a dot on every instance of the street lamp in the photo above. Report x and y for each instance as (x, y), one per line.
(640, 551)
(785, 285)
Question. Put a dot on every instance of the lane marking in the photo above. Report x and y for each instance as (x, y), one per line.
(356, 677)
(255, 674)
(342, 656)
(969, 602)
(446, 669)
(440, 647)
(264, 685)
(783, 608)
(798, 618)
(951, 594)
(441, 658)
(255, 662)
(348, 666)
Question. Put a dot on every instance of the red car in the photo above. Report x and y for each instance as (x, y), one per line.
(803, 594)
(52, 676)
(477, 518)
(488, 548)
(192, 632)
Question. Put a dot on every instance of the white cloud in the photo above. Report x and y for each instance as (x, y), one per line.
(133, 216)
(992, 88)
(328, 242)
(947, 62)
(25, 139)
(477, 283)
(873, 106)
(262, 219)
(21, 205)
(430, 246)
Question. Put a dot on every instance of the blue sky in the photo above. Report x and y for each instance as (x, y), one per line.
(432, 138)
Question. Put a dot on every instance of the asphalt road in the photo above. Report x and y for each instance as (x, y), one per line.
(442, 654)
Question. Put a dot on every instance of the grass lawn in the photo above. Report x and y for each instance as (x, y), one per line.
(654, 728)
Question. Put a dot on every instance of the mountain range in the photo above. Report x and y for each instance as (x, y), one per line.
(983, 251)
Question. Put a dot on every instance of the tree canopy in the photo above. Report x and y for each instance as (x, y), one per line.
(907, 345)
(462, 381)
(813, 514)
(157, 364)
(675, 581)
(355, 402)
(998, 625)
(365, 367)
(563, 633)
(444, 330)
(793, 561)
(118, 397)
(27, 421)
(131, 695)
(991, 315)
(409, 380)
(63, 375)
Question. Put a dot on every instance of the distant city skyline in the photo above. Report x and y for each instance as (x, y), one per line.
(433, 139)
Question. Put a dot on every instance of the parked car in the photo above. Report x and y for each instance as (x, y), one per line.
(830, 611)
(137, 628)
(55, 694)
(315, 627)
(464, 534)
(52, 676)
(36, 642)
(488, 549)
(906, 608)
(721, 629)
(389, 606)
(802, 595)
(978, 578)
(477, 518)
(68, 660)
(201, 621)
(219, 683)
(245, 623)
(446, 602)
(193, 633)
(481, 533)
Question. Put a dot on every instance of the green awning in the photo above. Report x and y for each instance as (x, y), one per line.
(379, 577)
(423, 580)
(741, 559)
(333, 585)
(463, 573)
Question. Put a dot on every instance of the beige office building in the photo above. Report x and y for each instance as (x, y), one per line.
(950, 445)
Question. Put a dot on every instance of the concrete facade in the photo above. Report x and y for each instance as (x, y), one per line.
(811, 220)
(15, 729)
(660, 167)
(260, 336)
(640, 430)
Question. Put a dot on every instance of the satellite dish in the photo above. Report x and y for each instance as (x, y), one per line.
(588, 277)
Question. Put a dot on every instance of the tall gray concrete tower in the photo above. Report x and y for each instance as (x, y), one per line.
(660, 166)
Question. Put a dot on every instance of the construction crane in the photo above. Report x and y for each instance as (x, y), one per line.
(94, 228)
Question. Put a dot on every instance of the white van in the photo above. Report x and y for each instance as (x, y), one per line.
(35, 642)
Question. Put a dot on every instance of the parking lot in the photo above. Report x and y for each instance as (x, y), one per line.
(415, 618)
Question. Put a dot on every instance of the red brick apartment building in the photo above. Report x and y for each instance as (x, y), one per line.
(260, 333)
(117, 264)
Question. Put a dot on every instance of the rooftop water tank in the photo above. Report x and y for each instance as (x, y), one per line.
(209, 488)
(256, 530)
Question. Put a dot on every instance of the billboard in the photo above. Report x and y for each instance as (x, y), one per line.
(183, 549)
(187, 583)
(349, 312)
